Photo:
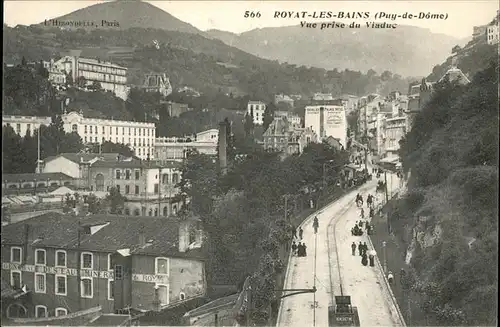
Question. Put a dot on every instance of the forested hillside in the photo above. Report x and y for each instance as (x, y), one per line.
(452, 155)
(188, 59)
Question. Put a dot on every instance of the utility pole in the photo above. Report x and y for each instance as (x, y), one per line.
(385, 183)
(38, 149)
(366, 140)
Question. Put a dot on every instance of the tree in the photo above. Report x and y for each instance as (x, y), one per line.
(96, 86)
(455, 49)
(110, 147)
(268, 115)
(94, 204)
(248, 124)
(115, 201)
(81, 81)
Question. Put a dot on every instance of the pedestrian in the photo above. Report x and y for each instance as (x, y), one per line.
(304, 248)
(299, 250)
(364, 260)
(353, 248)
(294, 248)
(360, 249)
(301, 232)
(362, 217)
(372, 259)
(390, 277)
(316, 225)
(365, 248)
(294, 232)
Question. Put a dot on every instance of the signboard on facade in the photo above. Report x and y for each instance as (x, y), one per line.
(103, 274)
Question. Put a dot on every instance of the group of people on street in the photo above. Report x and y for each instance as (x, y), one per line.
(300, 250)
(358, 230)
(364, 253)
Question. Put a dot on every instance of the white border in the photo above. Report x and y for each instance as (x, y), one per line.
(20, 277)
(20, 256)
(91, 287)
(91, 260)
(109, 290)
(65, 285)
(36, 257)
(156, 266)
(158, 285)
(44, 283)
(63, 309)
(36, 311)
(65, 258)
(17, 304)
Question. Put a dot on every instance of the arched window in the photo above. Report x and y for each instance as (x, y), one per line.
(17, 311)
(165, 211)
(74, 128)
(41, 185)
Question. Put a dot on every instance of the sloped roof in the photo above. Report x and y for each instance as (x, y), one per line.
(110, 320)
(84, 157)
(279, 126)
(28, 177)
(55, 230)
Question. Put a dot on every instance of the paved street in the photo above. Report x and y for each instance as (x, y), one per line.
(365, 285)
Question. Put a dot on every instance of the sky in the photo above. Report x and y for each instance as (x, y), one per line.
(229, 15)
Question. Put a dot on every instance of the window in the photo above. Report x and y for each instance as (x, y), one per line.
(175, 178)
(28, 127)
(162, 293)
(40, 257)
(61, 285)
(61, 312)
(111, 290)
(96, 129)
(74, 128)
(16, 254)
(118, 174)
(137, 189)
(87, 260)
(41, 311)
(60, 258)
(16, 311)
(127, 189)
(103, 130)
(110, 261)
(161, 266)
(116, 130)
(118, 272)
(137, 174)
(127, 174)
(90, 129)
(18, 128)
(129, 131)
(156, 188)
(40, 282)
(15, 279)
(118, 188)
(103, 139)
(182, 296)
(87, 285)
(85, 139)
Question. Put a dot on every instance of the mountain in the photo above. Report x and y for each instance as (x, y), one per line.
(128, 14)
(406, 50)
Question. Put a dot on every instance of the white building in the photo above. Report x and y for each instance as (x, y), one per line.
(176, 148)
(23, 124)
(278, 98)
(256, 109)
(323, 97)
(139, 136)
(111, 76)
(395, 130)
(327, 120)
(492, 34)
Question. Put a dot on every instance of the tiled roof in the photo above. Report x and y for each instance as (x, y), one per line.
(54, 230)
(84, 157)
(110, 320)
(14, 178)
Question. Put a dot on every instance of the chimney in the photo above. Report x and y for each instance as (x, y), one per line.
(142, 237)
(223, 147)
(183, 236)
